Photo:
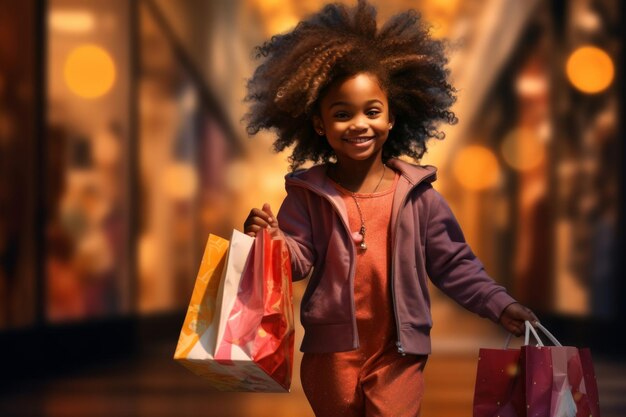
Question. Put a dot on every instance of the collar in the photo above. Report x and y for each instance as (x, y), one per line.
(316, 175)
(316, 180)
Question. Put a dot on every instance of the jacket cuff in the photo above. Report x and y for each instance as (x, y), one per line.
(496, 304)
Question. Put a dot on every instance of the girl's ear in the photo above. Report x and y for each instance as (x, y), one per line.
(392, 120)
(318, 125)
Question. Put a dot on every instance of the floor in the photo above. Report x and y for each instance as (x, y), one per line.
(154, 385)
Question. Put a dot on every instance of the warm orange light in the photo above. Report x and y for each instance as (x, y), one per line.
(89, 71)
(476, 168)
(106, 148)
(283, 24)
(71, 21)
(590, 69)
(523, 150)
(447, 7)
(180, 181)
(278, 16)
(441, 13)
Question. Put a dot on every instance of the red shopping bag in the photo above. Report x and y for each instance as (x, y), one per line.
(538, 381)
(259, 328)
(496, 383)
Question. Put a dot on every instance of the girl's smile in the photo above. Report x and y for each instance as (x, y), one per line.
(358, 140)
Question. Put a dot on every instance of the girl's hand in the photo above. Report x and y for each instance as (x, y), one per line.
(259, 219)
(513, 317)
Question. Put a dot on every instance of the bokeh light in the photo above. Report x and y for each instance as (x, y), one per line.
(441, 14)
(476, 168)
(590, 69)
(278, 16)
(72, 21)
(523, 149)
(89, 71)
(180, 181)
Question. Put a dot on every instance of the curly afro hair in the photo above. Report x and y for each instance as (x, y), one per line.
(339, 42)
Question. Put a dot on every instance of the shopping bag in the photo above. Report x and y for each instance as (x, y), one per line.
(196, 343)
(215, 293)
(496, 379)
(259, 327)
(541, 381)
(574, 390)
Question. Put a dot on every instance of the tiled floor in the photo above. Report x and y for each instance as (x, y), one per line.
(153, 385)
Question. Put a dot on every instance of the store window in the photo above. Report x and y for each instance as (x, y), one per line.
(88, 204)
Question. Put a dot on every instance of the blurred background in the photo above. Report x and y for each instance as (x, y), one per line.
(121, 149)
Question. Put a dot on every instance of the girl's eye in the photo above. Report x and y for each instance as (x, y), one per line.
(373, 112)
(341, 115)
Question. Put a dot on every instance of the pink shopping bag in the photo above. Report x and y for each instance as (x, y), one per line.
(259, 328)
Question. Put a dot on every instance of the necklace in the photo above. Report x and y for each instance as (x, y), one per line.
(359, 237)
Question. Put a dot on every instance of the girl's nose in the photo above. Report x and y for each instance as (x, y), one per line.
(358, 124)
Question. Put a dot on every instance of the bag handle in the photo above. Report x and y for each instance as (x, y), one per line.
(530, 328)
(547, 333)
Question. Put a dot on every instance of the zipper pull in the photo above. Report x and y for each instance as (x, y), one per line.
(400, 348)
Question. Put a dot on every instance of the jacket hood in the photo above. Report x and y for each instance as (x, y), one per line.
(414, 174)
(316, 180)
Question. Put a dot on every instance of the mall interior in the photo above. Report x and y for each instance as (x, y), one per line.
(122, 148)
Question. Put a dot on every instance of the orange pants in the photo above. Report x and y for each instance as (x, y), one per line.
(348, 384)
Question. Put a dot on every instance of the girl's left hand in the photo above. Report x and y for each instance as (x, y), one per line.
(513, 317)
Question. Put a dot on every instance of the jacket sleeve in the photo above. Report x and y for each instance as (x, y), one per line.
(453, 267)
(294, 222)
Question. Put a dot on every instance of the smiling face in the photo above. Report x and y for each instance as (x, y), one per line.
(354, 116)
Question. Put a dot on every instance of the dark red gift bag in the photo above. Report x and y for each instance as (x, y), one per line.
(496, 381)
(537, 381)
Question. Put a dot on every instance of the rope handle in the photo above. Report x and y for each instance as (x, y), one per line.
(530, 328)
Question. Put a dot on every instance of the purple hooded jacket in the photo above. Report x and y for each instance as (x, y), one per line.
(426, 240)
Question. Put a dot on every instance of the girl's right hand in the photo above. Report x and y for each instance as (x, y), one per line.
(259, 219)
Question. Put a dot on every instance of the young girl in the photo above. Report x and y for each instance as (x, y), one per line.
(365, 227)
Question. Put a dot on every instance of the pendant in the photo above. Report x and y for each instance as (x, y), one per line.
(357, 237)
(361, 233)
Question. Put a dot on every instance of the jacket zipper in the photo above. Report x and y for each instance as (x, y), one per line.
(393, 263)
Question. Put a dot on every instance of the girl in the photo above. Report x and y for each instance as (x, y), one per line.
(366, 227)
